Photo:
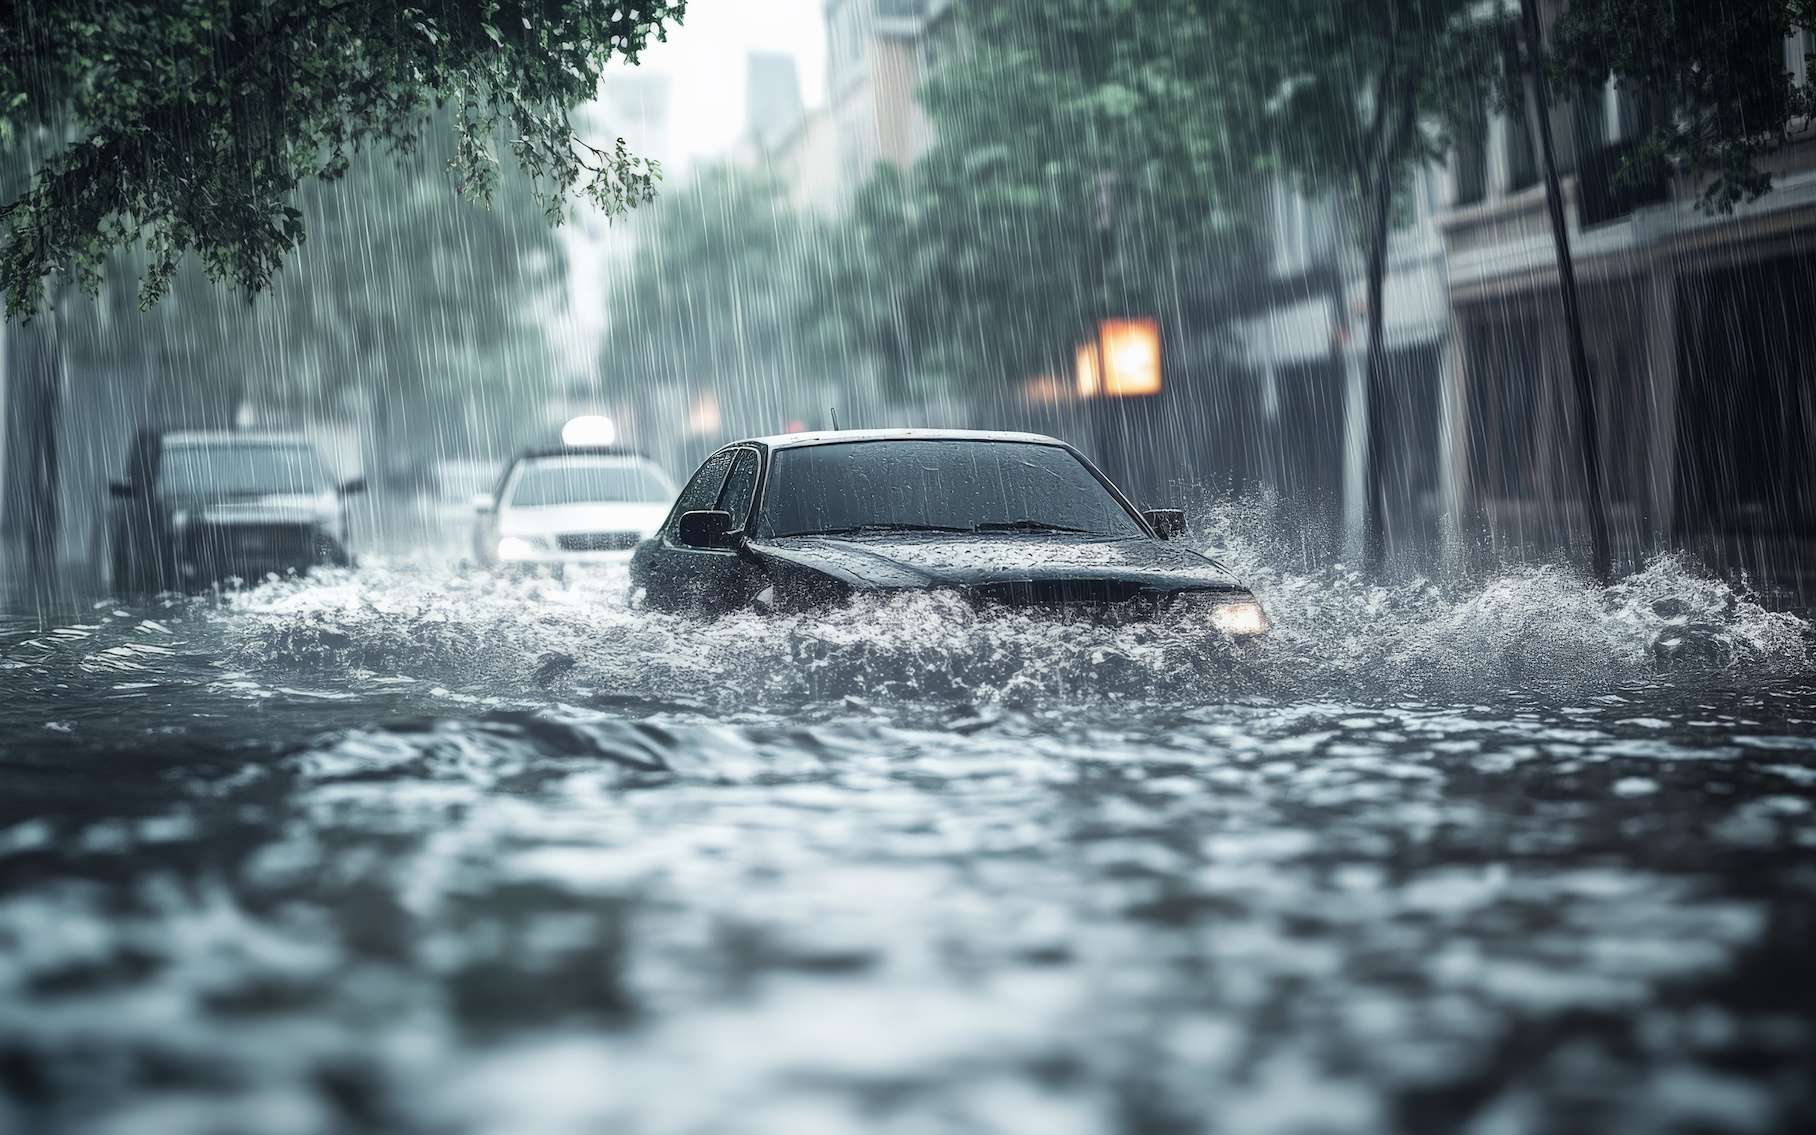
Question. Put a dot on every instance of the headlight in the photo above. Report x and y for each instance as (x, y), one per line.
(517, 548)
(1240, 618)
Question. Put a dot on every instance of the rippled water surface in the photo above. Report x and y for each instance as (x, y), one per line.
(407, 849)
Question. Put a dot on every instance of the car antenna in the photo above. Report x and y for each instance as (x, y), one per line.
(834, 411)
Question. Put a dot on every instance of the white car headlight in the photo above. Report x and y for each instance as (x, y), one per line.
(518, 548)
(1240, 618)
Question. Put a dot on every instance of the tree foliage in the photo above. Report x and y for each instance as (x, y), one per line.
(407, 299)
(187, 126)
(1370, 90)
(1362, 94)
(409, 288)
(1714, 70)
(717, 292)
(1087, 159)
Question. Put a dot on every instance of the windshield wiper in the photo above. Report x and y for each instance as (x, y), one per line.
(858, 528)
(1024, 526)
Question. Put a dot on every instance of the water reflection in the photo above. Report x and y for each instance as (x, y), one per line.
(418, 850)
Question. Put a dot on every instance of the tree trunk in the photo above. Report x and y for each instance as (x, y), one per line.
(1396, 108)
(1396, 119)
(33, 477)
(1539, 110)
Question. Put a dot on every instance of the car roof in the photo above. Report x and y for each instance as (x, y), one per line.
(580, 451)
(835, 437)
(230, 437)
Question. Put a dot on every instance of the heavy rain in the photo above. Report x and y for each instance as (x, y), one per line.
(917, 566)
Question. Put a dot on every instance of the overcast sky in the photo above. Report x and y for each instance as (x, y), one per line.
(705, 59)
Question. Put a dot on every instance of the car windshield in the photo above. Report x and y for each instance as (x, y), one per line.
(225, 469)
(571, 480)
(460, 481)
(938, 485)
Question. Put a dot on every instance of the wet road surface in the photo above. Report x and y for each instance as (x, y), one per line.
(409, 849)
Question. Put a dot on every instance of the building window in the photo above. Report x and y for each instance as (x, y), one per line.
(1289, 228)
(1522, 163)
(1472, 156)
(1581, 128)
(1798, 46)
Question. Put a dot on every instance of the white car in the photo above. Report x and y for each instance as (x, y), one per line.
(571, 506)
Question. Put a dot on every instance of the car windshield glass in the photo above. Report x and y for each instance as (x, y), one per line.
(938, 485)
(574, 481)
(460, 481)
(242, 469)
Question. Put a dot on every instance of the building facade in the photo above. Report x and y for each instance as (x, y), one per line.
(1701, 336)
(1301, 393)
(878, 53)
(1700, 331)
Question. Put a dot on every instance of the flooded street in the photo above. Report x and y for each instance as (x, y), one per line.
(908, 567)
(410, 848)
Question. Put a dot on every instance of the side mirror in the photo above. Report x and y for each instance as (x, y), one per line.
(708, 528)
(120, 490)
(352, 486)
(482, 502)
(1167, 522)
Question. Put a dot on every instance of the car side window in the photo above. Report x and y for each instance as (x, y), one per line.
(739, 488)
(504, 481)
(142, 459)
(702, 492)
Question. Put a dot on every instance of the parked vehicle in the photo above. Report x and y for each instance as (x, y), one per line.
(585, 505)
(199, 507)
(1016, 520)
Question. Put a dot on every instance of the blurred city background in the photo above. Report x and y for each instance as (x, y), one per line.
(924, 213)
(373, 792)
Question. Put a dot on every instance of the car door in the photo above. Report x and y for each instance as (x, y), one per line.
(485, 520)
(664, 569)
(729, 577)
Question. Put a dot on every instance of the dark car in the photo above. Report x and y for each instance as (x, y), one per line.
(198, 507)
(1018, 520)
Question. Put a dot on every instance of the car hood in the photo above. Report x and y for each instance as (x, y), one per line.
(549, 520)
(276, 508)
(929, 560)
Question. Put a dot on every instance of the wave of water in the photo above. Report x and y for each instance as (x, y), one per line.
(410, 849)
(1336, 633)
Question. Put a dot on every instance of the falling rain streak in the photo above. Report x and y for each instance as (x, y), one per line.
(357, 773)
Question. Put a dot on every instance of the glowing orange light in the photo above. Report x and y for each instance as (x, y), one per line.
(1044, 388)
(1131, 351)
(1084, 363)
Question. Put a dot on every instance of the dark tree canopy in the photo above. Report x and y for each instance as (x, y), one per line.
(188, 125)
(718, 289)
(1714, 72)
(1087, 156)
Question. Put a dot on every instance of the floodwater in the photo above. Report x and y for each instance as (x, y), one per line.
(417, 850)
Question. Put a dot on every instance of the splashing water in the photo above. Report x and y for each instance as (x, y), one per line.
(1336, 633)
(411, 849)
